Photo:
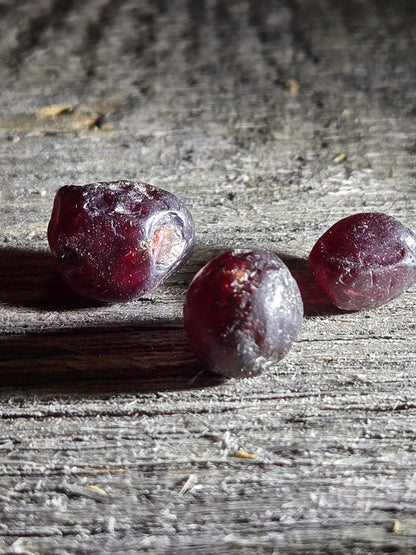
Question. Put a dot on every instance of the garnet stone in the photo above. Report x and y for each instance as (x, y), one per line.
(242, 312)
(365, 260)
(116, 241)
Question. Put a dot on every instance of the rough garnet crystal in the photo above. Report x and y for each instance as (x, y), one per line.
(116, 241)
(365, 260)
(242, 312)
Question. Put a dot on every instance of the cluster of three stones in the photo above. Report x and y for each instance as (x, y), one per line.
(243, 310)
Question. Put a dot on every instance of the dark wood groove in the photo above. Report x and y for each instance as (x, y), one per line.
(297, 23)
(259, 16)
(197, 13)
(31, 36)
(95, 31)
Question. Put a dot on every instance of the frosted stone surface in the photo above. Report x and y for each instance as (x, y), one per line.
(116, 241)
(365, 260)
(243, 311)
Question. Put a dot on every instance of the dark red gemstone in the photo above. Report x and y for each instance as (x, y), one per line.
(116, 241)
(243, 310)
(365, 260)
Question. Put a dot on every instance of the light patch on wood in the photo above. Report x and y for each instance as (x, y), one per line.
(60, 118)
(105, 469)
(54, 110)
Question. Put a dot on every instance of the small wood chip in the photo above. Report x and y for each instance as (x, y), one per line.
(243, 454)
(340, 158)
(97, 489)
(291, 85)
(396, 527)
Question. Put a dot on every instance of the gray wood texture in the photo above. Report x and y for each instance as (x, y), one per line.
(271, 120)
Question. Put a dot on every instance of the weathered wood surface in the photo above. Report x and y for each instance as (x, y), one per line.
(271, 120)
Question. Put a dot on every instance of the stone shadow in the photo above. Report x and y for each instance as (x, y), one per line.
(107, 357)
(103, 361)
(315, 301)
(29, 278)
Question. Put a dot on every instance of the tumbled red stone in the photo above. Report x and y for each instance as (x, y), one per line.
(116, 241)
(365, 260)
(243, 310)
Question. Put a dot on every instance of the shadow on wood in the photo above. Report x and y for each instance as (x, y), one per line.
(29, 278)
(315, 300)
(109, 356)
(103, 361)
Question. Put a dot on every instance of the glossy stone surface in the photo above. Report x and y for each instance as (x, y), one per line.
(365, 260)
(116, 241)
(242, 312)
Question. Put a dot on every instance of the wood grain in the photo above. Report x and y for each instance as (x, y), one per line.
(271, 119)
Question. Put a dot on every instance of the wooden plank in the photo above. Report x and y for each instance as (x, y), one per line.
(271, 120)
